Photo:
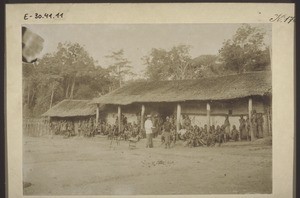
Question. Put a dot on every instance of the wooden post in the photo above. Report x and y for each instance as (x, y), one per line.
(119, 118)
(269, 121)
(208, 114)
(265, 123)
(250, 114)
(97, 115)
(142, 116)
(178, 117)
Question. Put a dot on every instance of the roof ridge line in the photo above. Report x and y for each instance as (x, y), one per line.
(211, 77)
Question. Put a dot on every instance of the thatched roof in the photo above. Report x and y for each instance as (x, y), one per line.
(71, 108)
(205, 89)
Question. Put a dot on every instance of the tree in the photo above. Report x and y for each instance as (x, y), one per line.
(180, 62)
(205, 66)
(75, 61)
(120, 68)
(246, 51)
(84, 92)
(164, 65)
(157, 64)
(70, 72)
(70, 61)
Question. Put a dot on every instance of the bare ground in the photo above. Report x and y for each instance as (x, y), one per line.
(89, 166)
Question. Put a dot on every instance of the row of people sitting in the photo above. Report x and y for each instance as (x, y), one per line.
(195, 135)
(70, 128)
(126, 131)
(202, 136)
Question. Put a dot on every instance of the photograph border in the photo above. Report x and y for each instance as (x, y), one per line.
(281, 29)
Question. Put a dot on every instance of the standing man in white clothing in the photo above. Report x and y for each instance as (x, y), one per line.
(148, 129)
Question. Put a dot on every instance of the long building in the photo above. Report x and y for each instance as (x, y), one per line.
(205, 101)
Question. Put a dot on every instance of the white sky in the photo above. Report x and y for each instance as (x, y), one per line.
(137, 40)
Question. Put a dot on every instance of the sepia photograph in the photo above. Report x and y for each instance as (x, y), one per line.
(147, 109)
(150, 100)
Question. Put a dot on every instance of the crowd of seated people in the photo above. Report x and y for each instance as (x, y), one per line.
(127, 129)
(193, 136)
(70, 128)
(202, 136)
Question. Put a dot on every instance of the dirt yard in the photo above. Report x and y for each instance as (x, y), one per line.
(89, 166)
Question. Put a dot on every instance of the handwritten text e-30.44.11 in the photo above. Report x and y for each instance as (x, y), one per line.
(36, 15)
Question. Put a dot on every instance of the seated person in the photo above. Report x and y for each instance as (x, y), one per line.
(234, 133)
(181, 134)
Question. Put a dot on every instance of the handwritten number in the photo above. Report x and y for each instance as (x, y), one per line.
(292, 19)
(43, 15)
(282, 18)
(38, 16)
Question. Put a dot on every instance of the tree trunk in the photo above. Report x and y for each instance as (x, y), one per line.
(28, 96)
(72, 88)
(184, 73)
(31, 100)
(119, 74)
(67, 91)
(52, 93)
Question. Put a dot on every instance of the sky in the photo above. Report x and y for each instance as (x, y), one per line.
(137, 40)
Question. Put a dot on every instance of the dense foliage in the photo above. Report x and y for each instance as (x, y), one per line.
(245, 52)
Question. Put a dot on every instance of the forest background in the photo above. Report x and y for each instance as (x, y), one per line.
(71, 72)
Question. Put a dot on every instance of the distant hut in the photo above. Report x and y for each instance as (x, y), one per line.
(72, 110)
(206, 100)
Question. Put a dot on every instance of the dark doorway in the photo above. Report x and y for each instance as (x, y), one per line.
(163, 109)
